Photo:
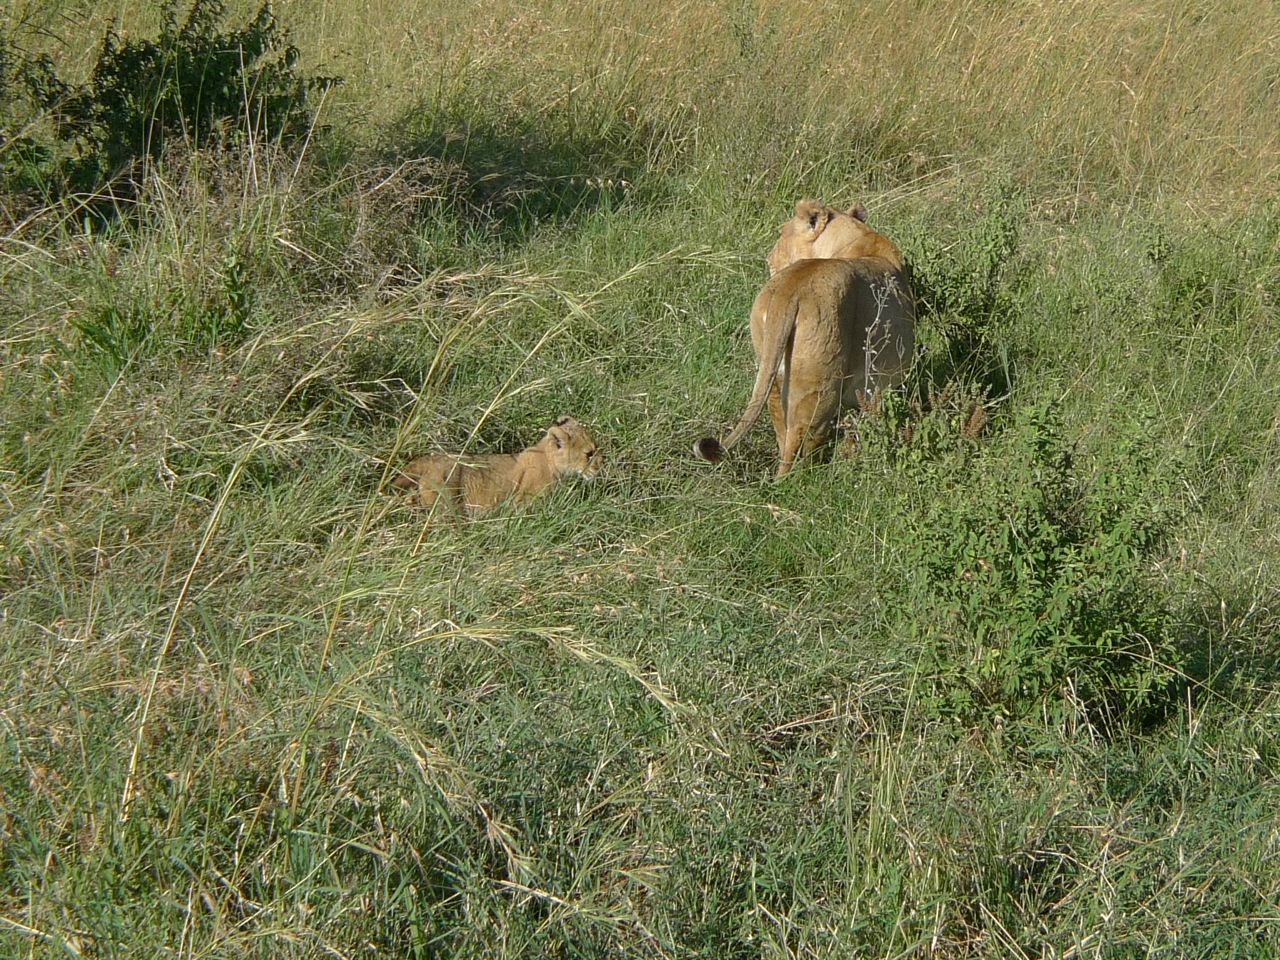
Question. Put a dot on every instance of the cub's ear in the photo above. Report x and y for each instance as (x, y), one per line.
(813, 215)
(558, 433)
(858, 212)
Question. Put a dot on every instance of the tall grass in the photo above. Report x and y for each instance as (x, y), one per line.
(1116, 98)
(996, 680)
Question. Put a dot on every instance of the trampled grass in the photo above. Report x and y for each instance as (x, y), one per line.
(253, 706)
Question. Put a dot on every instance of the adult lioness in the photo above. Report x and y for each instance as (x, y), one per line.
(837, 315)
(474, 484)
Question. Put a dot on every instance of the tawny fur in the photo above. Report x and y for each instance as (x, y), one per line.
(836, 316)
(474, 484)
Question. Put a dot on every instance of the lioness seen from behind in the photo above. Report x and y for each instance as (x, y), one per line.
(836, 316)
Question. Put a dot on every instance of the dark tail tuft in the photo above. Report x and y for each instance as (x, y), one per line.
(709, 449)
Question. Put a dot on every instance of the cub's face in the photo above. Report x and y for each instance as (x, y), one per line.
(572, 449)
(817, 231)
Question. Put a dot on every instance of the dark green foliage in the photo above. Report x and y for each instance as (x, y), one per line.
(22, 155)
(1040, 579)
(114, 335)
(237, 296)
(964, 289)
(964, 284)
(197, 80)
(935, 423)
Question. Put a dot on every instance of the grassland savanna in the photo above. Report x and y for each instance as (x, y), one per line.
(997, 678)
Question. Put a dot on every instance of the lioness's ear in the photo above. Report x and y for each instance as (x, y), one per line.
(563, 420)
(858, 212)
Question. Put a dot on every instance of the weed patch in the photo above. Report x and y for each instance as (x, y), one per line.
(1041, 583)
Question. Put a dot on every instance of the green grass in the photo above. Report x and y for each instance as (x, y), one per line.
(252, 706)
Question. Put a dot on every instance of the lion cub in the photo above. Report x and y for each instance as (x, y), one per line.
(475, 484)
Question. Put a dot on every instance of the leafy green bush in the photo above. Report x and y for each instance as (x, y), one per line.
(964, 291)
(22, 155)
(1038, 581)
(196, 80)
(962, 284)
(935, 423)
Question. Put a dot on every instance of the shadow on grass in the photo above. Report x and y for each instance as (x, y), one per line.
(1228, 654)
(1232, 648)
(967, 367)
(970, 357)
(508, 178)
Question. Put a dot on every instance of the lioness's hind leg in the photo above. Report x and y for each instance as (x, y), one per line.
(791, 447)
(795, 440)
(779, 417)
(807, 428)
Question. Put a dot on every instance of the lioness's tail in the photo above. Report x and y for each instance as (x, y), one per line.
(713, 450)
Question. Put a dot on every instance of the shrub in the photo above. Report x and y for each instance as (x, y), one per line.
(963, 285)
(196, 80)
(931, 424)
(22, 155)
(1038, 583)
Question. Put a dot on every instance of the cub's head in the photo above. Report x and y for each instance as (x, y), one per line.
(819, 232)
(571, 449)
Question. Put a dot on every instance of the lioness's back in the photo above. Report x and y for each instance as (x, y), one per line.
(854, 320)
(837, 313)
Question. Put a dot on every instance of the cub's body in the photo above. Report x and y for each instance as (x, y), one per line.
(476, 483)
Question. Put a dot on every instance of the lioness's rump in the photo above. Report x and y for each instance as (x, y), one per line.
(836, 316)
